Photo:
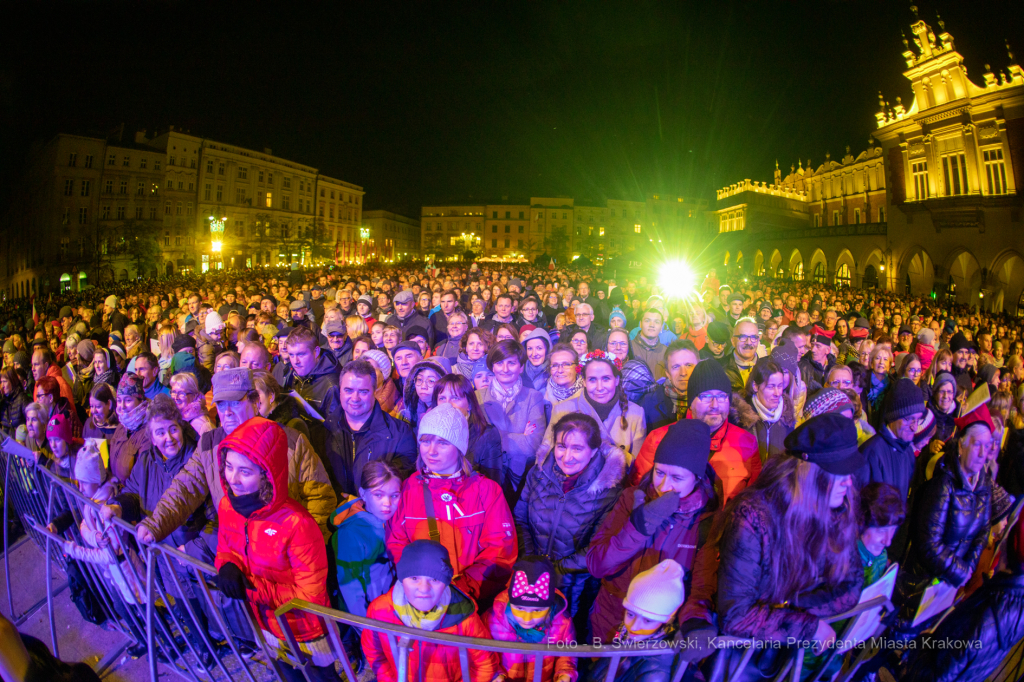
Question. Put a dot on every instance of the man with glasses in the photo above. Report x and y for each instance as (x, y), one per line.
(596, 335)
(734, 455)
(529, 313)
(739, 363)
(815, 364)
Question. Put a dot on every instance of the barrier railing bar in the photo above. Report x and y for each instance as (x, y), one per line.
(402, 658)
(293, 645)
(538, 668)
(49, 576)
(162, 592)
(463, 663)
(7, 540)
(334, 635)
(198, 631)
(221, 623)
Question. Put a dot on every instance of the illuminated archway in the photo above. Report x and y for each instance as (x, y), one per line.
(775, 261)
(917, 267)
(819, 267)
(1007, 281)
(965, 275)
(796, 265)
(758, 264)
(846, 268)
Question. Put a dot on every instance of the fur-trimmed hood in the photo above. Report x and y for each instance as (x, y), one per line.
(610, 474)
(743, 414)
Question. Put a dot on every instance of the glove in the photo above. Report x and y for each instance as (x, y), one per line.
(231, 581)
(647, 517)
(697, 634)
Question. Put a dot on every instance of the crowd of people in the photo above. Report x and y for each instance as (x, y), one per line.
(542, 455)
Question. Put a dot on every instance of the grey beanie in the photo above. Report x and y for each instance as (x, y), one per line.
(425, 558)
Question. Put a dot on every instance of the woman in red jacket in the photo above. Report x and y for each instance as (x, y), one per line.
(424, 598)
(269, 549)
(445, 500)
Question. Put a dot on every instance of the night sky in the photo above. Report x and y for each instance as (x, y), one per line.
(424, 103)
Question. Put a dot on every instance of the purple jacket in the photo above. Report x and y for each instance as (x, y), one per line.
(618, 551)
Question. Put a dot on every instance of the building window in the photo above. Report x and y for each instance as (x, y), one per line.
(112, 160)
(954, 170)
(177, 208)
(307, 206)
(156, 164)
(142, 162)
(835, 217)
(141, 189)
(181, 185)
(636, 228)
(88, 160)
(270, 203)
(842, 275)
(995, 171)
(220, 192)
(287, 203)
(124, 187)
(286, 182)
(239, 196)
(167, 208)
(856, 216)
(67, 215)
(919, 170)
(819, 273)
(171, 161)
(881, 214)
(507, 243)
(120, 212)
(207, 191)
(188, 208)
(105, 213)
(64, 241)
(72, 159)
(270, 178)
(600, 232)
(220, 169)
(508, 228)
(494, 243)
(83, 215)
(259, 176)
(209, 166)
(521, 229)
(191, 187)
(152, 212)
(69, 187)
(520, 243)
(243, 173)
(138, 212)
(170, 184)
(127, 161)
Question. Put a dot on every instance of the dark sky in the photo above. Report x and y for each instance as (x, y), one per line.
(423, 102)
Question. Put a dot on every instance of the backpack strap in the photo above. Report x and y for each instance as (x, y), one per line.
(428, 504)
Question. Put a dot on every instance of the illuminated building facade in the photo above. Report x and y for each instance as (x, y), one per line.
(391, 238)
(932, 207)
(198, 204)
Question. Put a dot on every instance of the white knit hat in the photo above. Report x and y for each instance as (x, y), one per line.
(89, 466)
(213, 321)
(444, 421)
(657, 593)
(379, 358)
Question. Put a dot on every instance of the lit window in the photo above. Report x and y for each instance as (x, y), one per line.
(919, 170)
(995, 171)
(954, 170)
(269, 202)
(636, 228)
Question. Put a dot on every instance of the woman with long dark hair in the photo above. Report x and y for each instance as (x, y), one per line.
(102, 421)
(621, 421)
(766, 408)
(13, 399)
(788, 543)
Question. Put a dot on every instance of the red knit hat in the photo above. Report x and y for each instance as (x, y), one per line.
(59, 427)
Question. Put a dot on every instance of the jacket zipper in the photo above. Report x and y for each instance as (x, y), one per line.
(248, 563)
(551, 536)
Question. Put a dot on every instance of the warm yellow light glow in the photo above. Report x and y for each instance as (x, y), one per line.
(215, 247)
(676, 279)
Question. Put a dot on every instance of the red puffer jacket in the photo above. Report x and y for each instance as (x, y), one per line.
(440, 663)
(279, 547)
(519, 667)
(475, 525)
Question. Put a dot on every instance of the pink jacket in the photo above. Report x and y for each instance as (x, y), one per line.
(519, 668)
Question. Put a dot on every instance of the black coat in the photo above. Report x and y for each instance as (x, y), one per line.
(993, 616)
(12, 411)
(414, 320)
(1011, 464)
(889, 460)
(319, 388)
(381, 437)
(659, 410)
(948, 529)
(559, 525)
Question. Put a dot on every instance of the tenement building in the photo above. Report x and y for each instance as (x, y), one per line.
(91, 209)
(389, 237)
(932, 206)
(562, 227)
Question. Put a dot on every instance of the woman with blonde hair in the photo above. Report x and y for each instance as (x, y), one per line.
(191, 402)
(878, 380)
(165, 338)
(355, 326)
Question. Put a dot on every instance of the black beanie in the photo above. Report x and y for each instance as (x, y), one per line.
(903, 400)
(959, 342)
(426, 558)
(687, 444)
(533, 582)
(708, 375)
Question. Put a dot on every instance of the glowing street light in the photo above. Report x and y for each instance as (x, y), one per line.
(677, 280)
(215, 246)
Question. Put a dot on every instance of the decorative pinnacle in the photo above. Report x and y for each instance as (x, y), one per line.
(940, 22)
(913, 8)
(906, 43)
(1010, 52)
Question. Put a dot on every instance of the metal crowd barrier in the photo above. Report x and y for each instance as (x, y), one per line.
(160, 599)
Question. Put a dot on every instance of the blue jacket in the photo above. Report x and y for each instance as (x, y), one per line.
(364, 567)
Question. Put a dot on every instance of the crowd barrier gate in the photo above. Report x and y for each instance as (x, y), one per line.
(162, 600)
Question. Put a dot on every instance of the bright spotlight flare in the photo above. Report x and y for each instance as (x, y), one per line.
(676, 280)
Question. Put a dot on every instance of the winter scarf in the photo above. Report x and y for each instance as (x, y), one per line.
(468, 368)
(506, 396)
(678, 399)
(529, 635)
(874, 566)
(246, 504)
(766, 415)
(603, 410)
(134, 418)
(560, 393)
(533, 374)
(876, 390)
(194, 409)
(412, 617)
(663, 633)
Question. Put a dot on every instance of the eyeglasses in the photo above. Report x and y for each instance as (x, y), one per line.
(425, 382)
(751, 338)
(618, 344)
(713, 397)
(181, 395)
(562, 365)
